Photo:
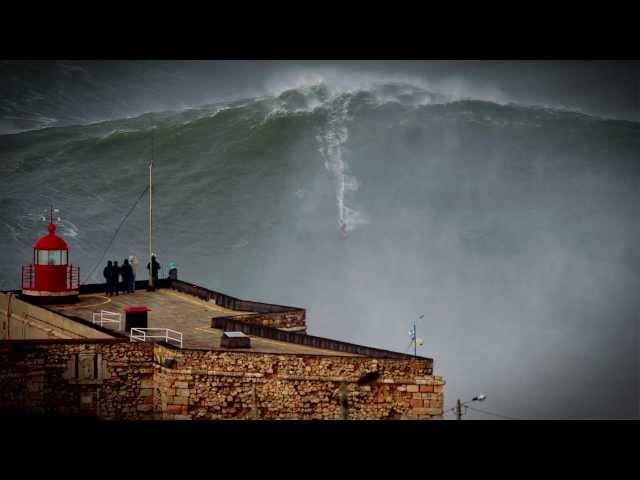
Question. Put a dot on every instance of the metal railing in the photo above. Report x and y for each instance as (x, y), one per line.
(105, 316)
(144, 334)
(73, 277)
(28, 277)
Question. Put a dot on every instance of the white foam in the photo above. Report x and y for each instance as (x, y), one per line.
(69, 229)
(117, 131)
(13, 231)
(332, 139)
(241, 244)
(276, 111)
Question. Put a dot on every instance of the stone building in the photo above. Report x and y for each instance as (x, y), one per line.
(71, 359)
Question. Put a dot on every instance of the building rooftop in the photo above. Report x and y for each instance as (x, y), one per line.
(184, 313)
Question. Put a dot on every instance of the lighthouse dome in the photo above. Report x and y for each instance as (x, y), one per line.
(51, 241)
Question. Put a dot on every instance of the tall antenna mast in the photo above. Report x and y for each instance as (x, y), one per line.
(51, 211)
(151, 285)
(415, 342)
(413, 334)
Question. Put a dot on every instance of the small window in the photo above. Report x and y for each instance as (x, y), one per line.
(43, 257)
(54, 257)
(64, 257)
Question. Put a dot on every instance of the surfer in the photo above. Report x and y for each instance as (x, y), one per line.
(153, 268)
(343, 229)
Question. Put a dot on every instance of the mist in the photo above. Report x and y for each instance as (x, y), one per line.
(518, 252)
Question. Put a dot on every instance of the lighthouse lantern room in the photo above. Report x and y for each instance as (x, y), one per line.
(50, 277)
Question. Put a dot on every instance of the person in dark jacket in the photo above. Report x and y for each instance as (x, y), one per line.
(116, 277)
(127, 274)
(108, 277)
(154, 270)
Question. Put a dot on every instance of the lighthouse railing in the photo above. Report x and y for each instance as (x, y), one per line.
(73, 277)
(28, 277)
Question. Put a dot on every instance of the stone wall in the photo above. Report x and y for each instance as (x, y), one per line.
(115, 379)
(232, 324)
(277, 316)
(285, 320)
(216, 385)
(20, 320)
(217, 394)
(111, 379)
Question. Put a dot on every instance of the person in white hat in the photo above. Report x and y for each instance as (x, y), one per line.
(133, 261)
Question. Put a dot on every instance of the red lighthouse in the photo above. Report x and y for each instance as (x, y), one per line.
(50, 277)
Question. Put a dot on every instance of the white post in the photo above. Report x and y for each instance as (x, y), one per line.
(151, 214)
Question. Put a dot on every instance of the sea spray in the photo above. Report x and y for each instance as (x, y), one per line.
(333, 137)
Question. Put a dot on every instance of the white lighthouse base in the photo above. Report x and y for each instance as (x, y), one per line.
(43, 297)
(42, 293)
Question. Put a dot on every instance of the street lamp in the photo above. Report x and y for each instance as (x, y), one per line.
(459, 404)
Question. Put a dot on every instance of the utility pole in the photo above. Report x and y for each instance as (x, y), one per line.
(460, 404)
(458, 410)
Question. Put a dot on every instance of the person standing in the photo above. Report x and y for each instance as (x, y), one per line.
(107, 273)
(116, 277)
(133, 261)
(155, 266)
(126, 273)
(173, 271)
